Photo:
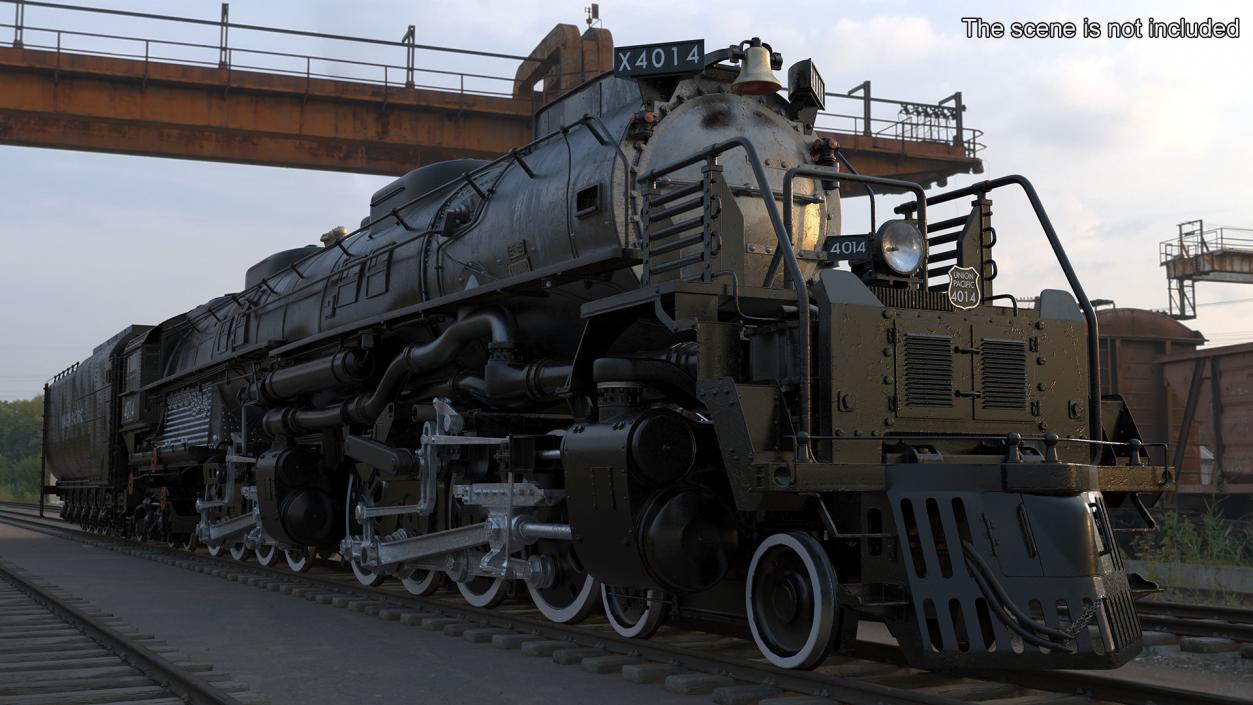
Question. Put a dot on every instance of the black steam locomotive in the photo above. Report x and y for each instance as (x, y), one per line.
(635, 364)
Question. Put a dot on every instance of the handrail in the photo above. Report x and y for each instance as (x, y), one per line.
(1089, 313)
(937, 123)
(789, 258)
(1205, 241)
(827, 172)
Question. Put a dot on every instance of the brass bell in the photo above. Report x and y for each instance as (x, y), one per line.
(755, 77)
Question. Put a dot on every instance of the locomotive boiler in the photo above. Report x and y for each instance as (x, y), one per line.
(637, 366)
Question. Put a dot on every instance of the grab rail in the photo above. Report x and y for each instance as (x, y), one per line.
(791, 264)
(828, 172)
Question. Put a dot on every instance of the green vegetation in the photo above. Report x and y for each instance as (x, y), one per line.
(1208, 538)
(21, 423)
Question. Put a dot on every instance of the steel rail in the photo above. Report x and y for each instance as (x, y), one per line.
(848, 690)
(191, 688)
(1197, 620)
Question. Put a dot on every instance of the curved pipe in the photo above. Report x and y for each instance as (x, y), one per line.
(535, 381)
(418, 358)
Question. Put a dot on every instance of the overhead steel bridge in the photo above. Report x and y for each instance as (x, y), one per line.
(218, 90)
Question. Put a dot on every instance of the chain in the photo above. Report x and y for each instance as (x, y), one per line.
(1084, 619)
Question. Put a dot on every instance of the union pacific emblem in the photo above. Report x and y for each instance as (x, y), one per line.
(964, 290)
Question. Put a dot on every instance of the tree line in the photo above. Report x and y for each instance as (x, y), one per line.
(21, 431)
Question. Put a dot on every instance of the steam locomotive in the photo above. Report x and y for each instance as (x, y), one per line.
(635, 365)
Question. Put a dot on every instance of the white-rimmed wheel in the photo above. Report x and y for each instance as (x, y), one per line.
(573, 595)
(423, 582)
(790, 600)
(299, 560)
(239, 552)
(481, 591)
(634, 613)
(214, 549)
(368, 493)
(365, 576)
(567, 601)
(267, 554)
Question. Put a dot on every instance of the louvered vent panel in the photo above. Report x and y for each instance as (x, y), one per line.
(912, 298)
(928, 370)
(1004, 374)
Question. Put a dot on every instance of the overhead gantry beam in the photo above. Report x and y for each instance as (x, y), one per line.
(121, 105)
(106, 104)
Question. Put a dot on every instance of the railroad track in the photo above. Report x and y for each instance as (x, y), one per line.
(685, 660)
(1197, 620)
(54, 651)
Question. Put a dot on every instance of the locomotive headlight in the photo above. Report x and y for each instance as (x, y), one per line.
(901, 247)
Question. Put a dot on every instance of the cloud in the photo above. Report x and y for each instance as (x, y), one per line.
(884, 42)
(1123, 139)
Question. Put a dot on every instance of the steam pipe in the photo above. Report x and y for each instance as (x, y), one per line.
(418, 358)
(344, 368)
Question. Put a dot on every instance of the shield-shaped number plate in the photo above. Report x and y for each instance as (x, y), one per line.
(964, 288)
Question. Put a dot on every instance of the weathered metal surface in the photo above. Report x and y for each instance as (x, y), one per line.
(1131, 342)
(65, 100)
(1222, 415)
(562, 60)
(157, 109)
(1219, 254)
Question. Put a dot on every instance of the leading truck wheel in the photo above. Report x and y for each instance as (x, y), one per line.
(423, 583)
(267, 554)
(790, 599)
(568, 601)
(299, 560)
(634, 613)
(482, 591)
(366, 576)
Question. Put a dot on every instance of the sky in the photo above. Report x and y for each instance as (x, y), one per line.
(1123, 138)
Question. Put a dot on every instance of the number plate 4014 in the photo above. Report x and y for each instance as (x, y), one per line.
(659, 59)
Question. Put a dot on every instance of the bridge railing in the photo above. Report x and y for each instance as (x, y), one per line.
(216, 43)
(1201, 241)
(907, 121)
(55, 32)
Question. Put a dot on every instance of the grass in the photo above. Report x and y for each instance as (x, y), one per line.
(1209, 539)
